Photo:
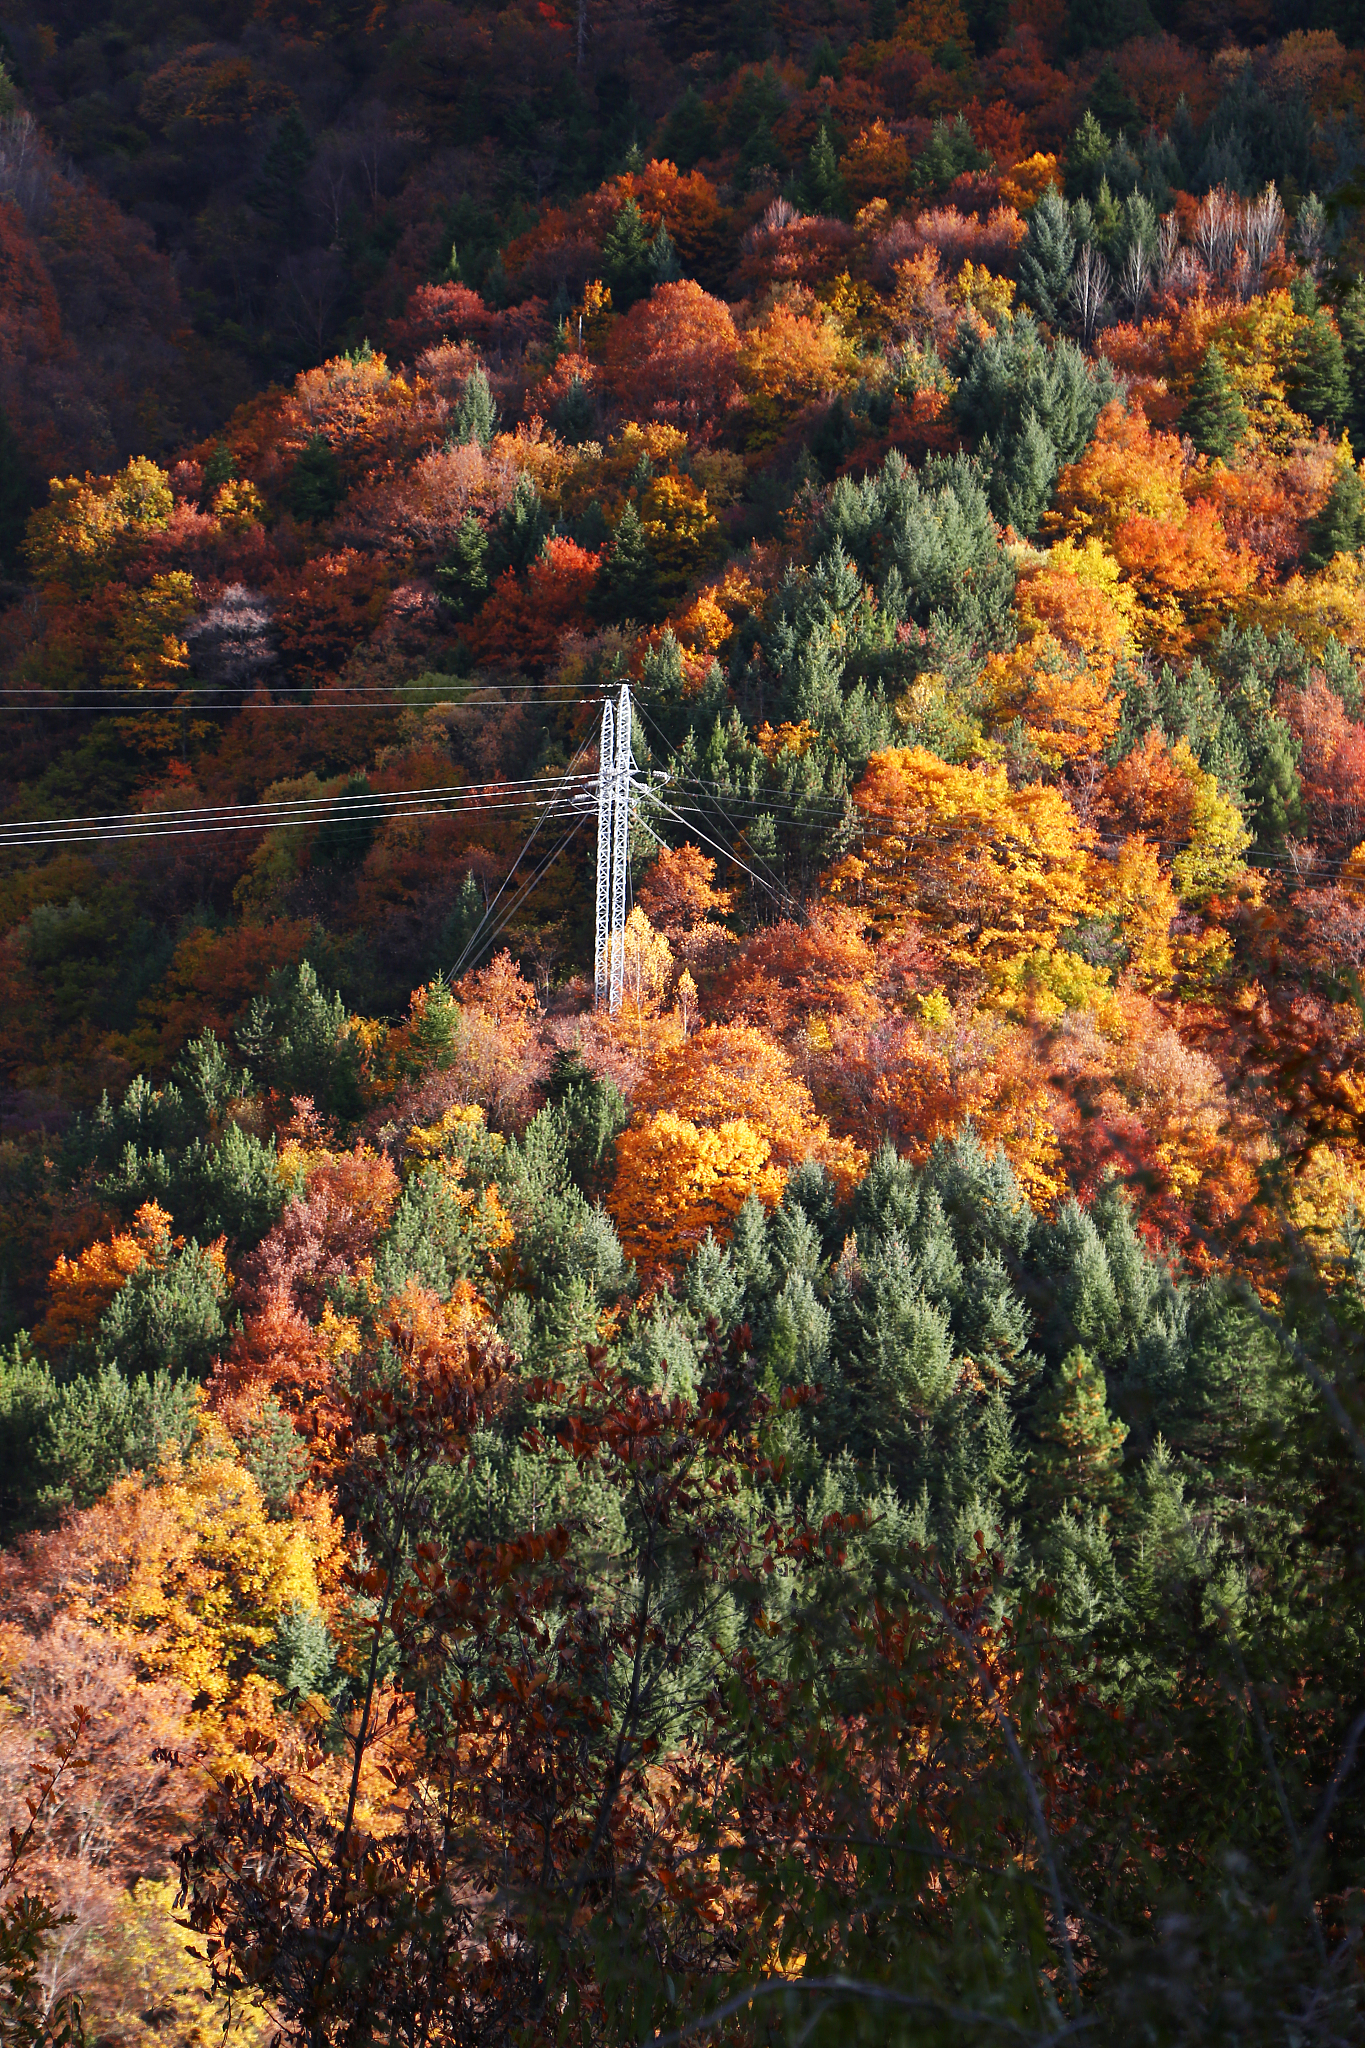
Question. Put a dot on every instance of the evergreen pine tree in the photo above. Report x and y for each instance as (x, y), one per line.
(825, 191)
(167, 1316)
(476, 416)
(1080, 1304)
(462, 579)
(1110, 100)
(1107, 216)
(1077, 1457)
(346, 834)
(664, 267)
(298, 1038)
(626, 588)
(522, 528)
(315, 483)
(1186, 143)
(300, 1658)
(950, 151)
(1275, 789)
(626, 256)
(1339, 528)
(1137, 227)
(1077, 1555)
(690, 131)
(220, 468)
(275, 1456)
(1086, 155)
(1047, 255)
(824, 63)
(278, 191)
(1215, 418)
(464, 919)
(593, 1112)
(575, 415)
(1025, 478)
(1317, 383)
(1351, 321)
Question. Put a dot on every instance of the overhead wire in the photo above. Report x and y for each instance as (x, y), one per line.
(484, 941)
(726, 853)
(775, 886)
(798, 812)
(180, 702)
(438, 800)
(565, 780)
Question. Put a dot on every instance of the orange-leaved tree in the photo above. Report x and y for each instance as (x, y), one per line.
(987, 874)
(749, 1120)
(787, 361)
(527, 616)
(674, 356)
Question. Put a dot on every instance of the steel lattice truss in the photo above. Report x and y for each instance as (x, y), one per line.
(613, 846)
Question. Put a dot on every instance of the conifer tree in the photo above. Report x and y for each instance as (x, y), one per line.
(626, 588)
(574, 415)
(824, 186)
(690, 131)
(1086, 155)
(220, 469)
(626, 256)
(278, 191)
(315, 484)
(1317, 383)
(1351, 321)
(664, 267)
(1047, 255)
(462, 580)
(1339, 528)
(1025, 478)
(1077, 1458)
(476, 416)
(522, 528)
(1107, 216)
(1215, 418)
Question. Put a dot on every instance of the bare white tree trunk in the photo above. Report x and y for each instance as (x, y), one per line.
(1089, 290)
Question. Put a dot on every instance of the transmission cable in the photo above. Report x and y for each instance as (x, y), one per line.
(525, 890)
(562, 785)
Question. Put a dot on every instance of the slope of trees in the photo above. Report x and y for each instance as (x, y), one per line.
(826, 1502)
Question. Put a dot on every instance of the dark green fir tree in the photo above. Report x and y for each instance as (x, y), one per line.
(1339, 528)
(1047, 256)
(476, 416)
(627, 585)
(462, 580)
(626, 257)
(824, 187)
(315, 484)
(1316, 382)
(1215, 418)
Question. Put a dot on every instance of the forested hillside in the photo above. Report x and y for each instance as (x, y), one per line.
(825, 1503)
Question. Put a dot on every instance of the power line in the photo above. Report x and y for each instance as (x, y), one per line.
(566, 779)
(511, 794)
(182, 702)
(528, 886)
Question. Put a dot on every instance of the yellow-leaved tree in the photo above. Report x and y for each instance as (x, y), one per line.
(185, 1567)
(984, 873)
(748, 1119)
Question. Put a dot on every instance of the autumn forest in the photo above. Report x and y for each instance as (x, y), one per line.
(821, 1498)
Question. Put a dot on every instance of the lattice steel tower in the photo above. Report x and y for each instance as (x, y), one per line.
(613, 849)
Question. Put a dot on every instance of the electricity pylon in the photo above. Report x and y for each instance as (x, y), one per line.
(613, 850)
